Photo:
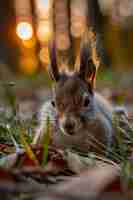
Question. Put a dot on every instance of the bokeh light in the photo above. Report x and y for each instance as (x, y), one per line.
(42, 8)
(44, 55)
(43, 31)
(24, 30)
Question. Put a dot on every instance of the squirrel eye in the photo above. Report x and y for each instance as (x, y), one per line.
(86, 102)
(53, 103)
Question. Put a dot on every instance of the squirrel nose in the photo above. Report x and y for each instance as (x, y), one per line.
(69, 126)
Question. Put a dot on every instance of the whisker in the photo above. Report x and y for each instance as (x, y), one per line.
(116, 156)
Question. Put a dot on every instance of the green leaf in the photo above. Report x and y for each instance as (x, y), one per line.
(46, 141)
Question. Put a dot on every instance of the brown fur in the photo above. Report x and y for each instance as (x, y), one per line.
(84, 117)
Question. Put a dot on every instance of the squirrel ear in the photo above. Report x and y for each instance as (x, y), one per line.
(53, 67)
(87, 70)
(84, 56)
(91, 73)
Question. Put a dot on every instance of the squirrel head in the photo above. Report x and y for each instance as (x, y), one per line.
(73, 96)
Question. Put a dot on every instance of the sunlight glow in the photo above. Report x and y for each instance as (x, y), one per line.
(43, 31)
(24, 30)
(42, 8)
(44, 55)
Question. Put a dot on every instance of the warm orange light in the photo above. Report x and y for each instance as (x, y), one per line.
(24, 30)
(44, 55)
(28, 64)
(43, 31)
(29, 44)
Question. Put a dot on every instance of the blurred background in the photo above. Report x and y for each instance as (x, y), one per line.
(24, 34)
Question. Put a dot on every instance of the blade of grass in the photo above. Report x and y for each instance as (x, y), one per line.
(28, 149)
(46, 142)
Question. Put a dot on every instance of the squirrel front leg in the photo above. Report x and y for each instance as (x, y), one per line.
(46, 111)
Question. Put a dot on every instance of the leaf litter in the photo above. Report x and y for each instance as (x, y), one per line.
(24, 167)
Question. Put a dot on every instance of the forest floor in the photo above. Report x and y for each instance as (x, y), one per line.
(44, 172)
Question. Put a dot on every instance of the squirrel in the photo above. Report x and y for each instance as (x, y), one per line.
(80, 117)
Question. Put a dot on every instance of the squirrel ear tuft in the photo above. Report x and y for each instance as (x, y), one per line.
(91, 73)
(53, 67)
(84, 56)
(87, 70)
